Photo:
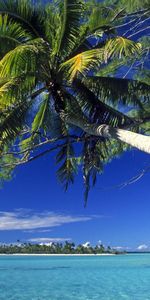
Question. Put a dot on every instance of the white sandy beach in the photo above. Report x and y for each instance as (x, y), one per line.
(44, 254)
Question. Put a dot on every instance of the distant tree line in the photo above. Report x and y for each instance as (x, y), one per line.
(55, 248)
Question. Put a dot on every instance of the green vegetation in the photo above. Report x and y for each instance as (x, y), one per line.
(71, 73)
(55, 248)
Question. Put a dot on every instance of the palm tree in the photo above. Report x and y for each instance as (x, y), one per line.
(68, 247)
(55, 86)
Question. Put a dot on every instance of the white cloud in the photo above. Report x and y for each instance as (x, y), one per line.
(28, 220)
(86, 245)
(37, 230)
(120, 247)
(99, 242)
(142, 247)
(47, 240)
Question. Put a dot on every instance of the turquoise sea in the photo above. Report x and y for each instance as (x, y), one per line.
(75, 278)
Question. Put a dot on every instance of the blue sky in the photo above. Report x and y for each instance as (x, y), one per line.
(33, 206)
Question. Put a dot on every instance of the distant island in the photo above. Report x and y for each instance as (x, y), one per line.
(56, 248)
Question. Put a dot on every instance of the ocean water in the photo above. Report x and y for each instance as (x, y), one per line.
(122, 277)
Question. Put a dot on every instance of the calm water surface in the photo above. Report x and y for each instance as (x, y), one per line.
(75, 278)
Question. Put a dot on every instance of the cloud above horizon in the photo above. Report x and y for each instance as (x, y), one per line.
(48, 240)
(119, 248)
(23, 219)
(142, 247)
(86, 244)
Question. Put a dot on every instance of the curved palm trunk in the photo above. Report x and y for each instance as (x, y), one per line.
(133, 139)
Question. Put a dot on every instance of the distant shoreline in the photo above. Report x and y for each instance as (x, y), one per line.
(48, 254)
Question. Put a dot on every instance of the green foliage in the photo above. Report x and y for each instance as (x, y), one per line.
(118, 91)
(61, 60)
(71, 13)
(29, 16)
(22, 59)
(119, 47)
(99, 18)
(143, 117)
(92, 59)
(54, 248)
(12, 122)
(97, 109)
(7, 165)
(129, 5)
(11, 34)
(68, 166)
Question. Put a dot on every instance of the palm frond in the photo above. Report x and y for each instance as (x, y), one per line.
(91, 59)
(39, 124)
(111, 68)
(40, 120)
(143, 118)
(82, 43)
(24, 12)
(72, 11)
(23, 58)
(116, 91)
(96, 110)
(130, 6)
(12, 88)
(6, 173)
(92, 161)
(98, 23)
(82, 63)
(99, 19)
(95, 155)
(53, 26)
(120, 47)
(11, 35)
(68, 167)
(12, 122)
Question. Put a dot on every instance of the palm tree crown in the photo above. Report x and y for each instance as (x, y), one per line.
(58, 66)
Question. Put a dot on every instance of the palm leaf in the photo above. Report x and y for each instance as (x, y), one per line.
(92, 161)
(39, 120)
(82, 63)
(98, 23)
(111, 68)
(24, 12)
(71, 22)
(96, 110)
(12, 88)
(91, 59)
(11, 35)
(130, 6)
(120, 47)
(52, 27)
(68, 167)
(118, 91)
(23, 58)
(143, 118)
(95, 154)
(12, 122)
(99, 20)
